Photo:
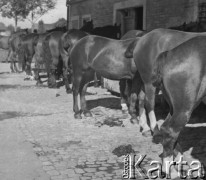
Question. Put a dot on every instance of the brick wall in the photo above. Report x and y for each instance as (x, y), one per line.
(168, 13)
(159, 13)
(101, 11)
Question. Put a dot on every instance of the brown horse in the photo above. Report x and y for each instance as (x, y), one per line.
(181, 74)
(13, 42)
(145, 51)
(101, 55)
(4, 44)
(56, 48)
(125, 85)
(26, 51)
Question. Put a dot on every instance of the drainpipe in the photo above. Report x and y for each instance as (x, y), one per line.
(68, 13)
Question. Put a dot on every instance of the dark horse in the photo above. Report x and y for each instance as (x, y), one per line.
(181, 74)
(13, 42)
(26, 51)
(126, 85)
(101, 55)
(145, 52)
(109, 31)
(56, 49)
(4, 42)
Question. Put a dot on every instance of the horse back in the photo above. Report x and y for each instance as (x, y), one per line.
(102, 54)
(151, 45)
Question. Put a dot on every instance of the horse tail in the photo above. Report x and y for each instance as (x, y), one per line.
(47, 56)
(129, 51)
(22, 57)
(158, 68)
(35, 40)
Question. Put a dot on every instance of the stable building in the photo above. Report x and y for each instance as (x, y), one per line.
(135, 14)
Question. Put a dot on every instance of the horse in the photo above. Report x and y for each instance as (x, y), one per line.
(63, 29)
(56, 48)
(13, 43)
(125, 84)
(101, 55)
(26, 52)
(181, 74)
(4, 42)
(191, 27)
(145, 51)
(38, 58)
(109, 31)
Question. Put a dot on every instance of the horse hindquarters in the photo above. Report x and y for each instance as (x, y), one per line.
(185, 87)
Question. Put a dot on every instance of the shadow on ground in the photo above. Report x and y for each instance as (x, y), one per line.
(109, 102)
(13, 114)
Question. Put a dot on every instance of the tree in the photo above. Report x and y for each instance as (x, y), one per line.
(15, 9)
(61, 22)
(10, 28)
(38, 8)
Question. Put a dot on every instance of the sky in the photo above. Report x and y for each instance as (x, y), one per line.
(52, 16)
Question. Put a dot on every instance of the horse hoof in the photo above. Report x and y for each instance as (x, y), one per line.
(87, 114)
(147, 134)
(26, 79)
(53, 86)
(134, 119)
(124, 111)
(157, 136)
(69, 91)
(39, 84)
(77, 116)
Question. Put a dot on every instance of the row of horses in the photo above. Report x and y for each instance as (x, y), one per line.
(173, 61)
(170, 60)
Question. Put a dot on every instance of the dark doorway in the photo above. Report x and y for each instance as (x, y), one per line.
(139, 18)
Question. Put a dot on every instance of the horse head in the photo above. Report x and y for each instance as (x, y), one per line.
(88, 26)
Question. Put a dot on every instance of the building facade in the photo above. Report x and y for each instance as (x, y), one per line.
(135, 14)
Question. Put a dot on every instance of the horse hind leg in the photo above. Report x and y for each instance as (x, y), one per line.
(75, 89)
(66, 80)
(88, 76)
(135, 90)
(122, 87)
(12, 67)
(183, 102)
(150, 103)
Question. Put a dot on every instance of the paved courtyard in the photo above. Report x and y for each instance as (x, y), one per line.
(40, 139)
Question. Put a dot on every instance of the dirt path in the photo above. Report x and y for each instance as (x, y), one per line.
(40, 139)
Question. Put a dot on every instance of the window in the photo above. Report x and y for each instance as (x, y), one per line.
(202, 12)
(75, 22)
(86, 18)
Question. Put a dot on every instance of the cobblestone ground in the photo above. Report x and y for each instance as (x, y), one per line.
(82, 149)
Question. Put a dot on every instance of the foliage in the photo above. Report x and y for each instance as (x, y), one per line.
(38, 8)
(10, 28)
(14, 9)
(61, 23)
(21, 9)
